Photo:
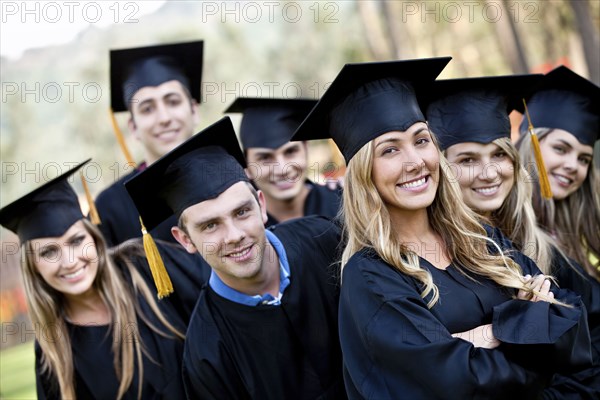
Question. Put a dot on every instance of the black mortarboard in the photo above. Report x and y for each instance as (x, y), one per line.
(199, 169)
(133, 69)
(48, 211)
(474, 109)
(269, 122)
(568, 101)
(368, 99)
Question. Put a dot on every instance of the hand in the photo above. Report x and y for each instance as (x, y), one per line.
(482, 336)
(540, 289)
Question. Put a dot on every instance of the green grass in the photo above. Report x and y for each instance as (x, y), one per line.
(17, 374)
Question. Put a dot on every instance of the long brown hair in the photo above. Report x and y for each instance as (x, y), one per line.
(575, 220)
(46, 310)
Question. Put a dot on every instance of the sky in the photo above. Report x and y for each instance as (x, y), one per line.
(29, 24)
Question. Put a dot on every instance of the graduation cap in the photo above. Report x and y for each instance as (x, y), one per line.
(368, 99)
(474, 109)
(199, 169)
(566, 100)
(135, 68)
(48, 211)
(269, 122)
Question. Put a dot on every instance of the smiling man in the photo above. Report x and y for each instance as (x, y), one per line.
(159, 86)
(265, 326)
(278, 167)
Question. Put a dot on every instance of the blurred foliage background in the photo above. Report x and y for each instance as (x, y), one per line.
(55, 100)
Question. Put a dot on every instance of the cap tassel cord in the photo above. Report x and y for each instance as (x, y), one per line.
(545, 188)
(121, 139)
(94, 216)
(160, 275)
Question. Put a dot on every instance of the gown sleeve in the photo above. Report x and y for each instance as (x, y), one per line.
(394, 347)
(208, 371)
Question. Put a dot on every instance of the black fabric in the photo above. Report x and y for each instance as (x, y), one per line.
(474, 109)
(583, 384)
(395, 347)
(120, 219)
(135, 68)
(565, 100)
(95, 377)
(48, 211)
(201, 168)
(289, 351)
(366, 100)
(320, 201)
(269, 122)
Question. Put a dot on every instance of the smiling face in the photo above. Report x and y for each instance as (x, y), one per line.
(406, 169)
(228, 231)
(485, 173)
(279, 173)
(567, 162)
(163, 117)
(69, 264)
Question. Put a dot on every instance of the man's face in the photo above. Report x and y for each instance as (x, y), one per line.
(228, 231)
(162, 117)
(279, 173)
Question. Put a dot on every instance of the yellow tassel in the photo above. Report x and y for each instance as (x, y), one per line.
(121, 139)
(160, 275)
(539, 160)
(94, 216)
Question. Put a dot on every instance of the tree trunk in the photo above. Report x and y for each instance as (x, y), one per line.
(589, 37)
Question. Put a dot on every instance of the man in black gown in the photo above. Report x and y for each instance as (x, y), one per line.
(265, 325)
(278, 167)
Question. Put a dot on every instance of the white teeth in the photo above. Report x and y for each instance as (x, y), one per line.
(488, 190)
(74, 274)
(563, 179)
(414, 184)
(240, 253)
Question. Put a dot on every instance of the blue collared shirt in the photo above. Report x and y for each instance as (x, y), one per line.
(284, 280)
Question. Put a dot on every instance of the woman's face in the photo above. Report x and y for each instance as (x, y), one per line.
(567, 162)
(68, 263)
(406, 169)
(485, 172)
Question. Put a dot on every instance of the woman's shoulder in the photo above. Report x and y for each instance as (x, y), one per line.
(368, 270)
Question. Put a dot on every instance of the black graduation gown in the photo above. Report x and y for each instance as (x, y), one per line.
(394, 347)
(320, 201)
(120, 219)
(584, 384)
(290, 351)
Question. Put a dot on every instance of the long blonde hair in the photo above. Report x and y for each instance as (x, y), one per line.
(368, 225)
(516, 217)
(575, 220)
(46, 310)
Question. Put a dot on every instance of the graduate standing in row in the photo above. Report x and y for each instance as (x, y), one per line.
(565, 112)
(433, 303)
(278, 167)
(265, 326)
(160, 87)
(469, 117)
(100, 332)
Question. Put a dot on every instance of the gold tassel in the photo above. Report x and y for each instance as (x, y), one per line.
(94, 216)
(160, 275)
(121, 139)
(539, 160)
